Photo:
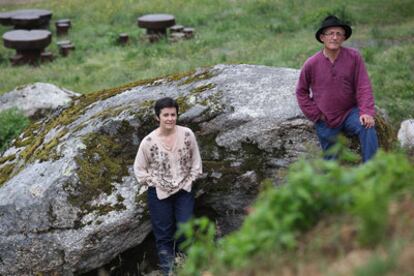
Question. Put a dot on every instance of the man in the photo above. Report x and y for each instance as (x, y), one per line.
(167, 162)
(334, 90)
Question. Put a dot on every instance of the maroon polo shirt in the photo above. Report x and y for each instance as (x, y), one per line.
(333, 89)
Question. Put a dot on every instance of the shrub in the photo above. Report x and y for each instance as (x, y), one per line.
(313, 189)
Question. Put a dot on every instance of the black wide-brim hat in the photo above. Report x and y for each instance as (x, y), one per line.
(333, 21)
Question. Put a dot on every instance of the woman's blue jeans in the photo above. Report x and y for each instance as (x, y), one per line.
(166, 215)
(351, 126)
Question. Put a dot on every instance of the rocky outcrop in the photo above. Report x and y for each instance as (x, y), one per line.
(68, 199)
(36, 99)
(406, 134)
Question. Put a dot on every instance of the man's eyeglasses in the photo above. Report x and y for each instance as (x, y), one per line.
(332, 34)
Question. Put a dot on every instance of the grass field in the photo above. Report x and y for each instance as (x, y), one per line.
(268, 32)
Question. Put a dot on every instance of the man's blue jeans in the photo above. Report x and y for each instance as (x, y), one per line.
(166, 215)
(351, 126)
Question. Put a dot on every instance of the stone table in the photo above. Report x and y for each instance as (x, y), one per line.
(28, 44)
(156, 23)
(27, 19)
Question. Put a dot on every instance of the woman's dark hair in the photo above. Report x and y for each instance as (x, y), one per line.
(163, 103)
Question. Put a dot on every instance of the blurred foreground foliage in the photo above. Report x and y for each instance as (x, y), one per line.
(314, 189)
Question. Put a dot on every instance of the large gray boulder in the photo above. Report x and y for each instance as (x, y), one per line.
(37, 99)
(69, 201)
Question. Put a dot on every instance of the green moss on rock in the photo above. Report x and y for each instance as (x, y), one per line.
(182, 102)
(203, 75)
(4, 159)
(98, 164)
(254, 159)
(142, 201)
(145, 115)
(5, 172)
(107, 113)
(103, 162)
(106, 208)
(48, 151)
(202, 88)
(209, 149)
(179, 76)
(22, 142)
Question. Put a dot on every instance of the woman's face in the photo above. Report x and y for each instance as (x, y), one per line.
(168, 118)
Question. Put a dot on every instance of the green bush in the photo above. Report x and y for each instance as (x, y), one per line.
(313, 189)
(12, 122)
(199, 243)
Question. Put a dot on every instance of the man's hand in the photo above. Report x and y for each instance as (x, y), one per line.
(367, 120)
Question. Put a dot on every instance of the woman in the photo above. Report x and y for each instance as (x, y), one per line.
(167, 162)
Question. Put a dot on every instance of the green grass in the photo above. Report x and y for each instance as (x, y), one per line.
(268, 32)
(12, 122)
